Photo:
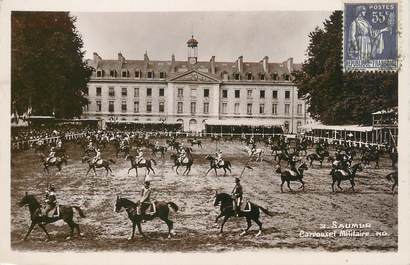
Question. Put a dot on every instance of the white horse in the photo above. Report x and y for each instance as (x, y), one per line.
(256, 154)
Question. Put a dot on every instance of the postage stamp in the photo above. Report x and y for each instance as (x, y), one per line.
(370, 37)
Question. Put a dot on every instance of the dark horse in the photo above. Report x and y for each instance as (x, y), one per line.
(177, 163)
(213, 165)
(100, 163)
(394, 178)
(338, 176)
(66, 213)
(55, 161)
(317, 157)
(162, 212)
(195, 142)
(160, 149)
(287, 177)
(147, 164)
(121, 148)
(226, 206)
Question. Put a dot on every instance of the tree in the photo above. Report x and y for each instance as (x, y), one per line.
(335, 97)
(48, 72)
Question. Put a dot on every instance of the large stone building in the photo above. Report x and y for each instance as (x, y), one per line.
(194, 92)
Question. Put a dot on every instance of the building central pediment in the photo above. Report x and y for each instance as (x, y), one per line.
(194, 76)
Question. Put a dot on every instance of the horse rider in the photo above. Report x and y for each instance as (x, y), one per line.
(139, 156)
(293, 159)
(237, 195)
(50, 200)
(145, 201)
(51, 155)
(218, 159)
(156, 145)
(59, 144)
(90, 145)
(253, 149)
(97, 155)
(182, 154)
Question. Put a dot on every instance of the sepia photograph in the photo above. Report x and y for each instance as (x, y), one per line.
(206, 131)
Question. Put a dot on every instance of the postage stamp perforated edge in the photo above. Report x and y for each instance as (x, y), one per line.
(399, 29)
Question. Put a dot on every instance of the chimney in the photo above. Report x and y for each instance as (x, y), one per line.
(289, 64)
(212, 62)
(265, 61)
(173, 63)
(240, 64)
(121, 58)
(96, 58)
(146, 59)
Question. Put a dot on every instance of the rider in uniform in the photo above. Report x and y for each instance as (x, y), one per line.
(50, 200)
(52, 154)
(182, 154)
(139, 156)
(145, 201)
(237, 195)
(218, 159)
(156, 146)
(253, 150)
(292, 163)
(97, 155)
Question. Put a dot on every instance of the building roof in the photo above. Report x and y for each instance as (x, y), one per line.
(355, 128)
(244, 122)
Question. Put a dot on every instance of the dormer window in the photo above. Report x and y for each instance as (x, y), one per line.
(100, 73)
(137, 73)
(162, 75)
(150, 74)
(249, 76)
(236, 76)
(125, 73)
(287, 77)
(262, 76)
(275, 76)
(113, 73)
(225, 76)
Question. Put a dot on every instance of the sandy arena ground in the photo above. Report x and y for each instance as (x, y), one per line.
(106, 230)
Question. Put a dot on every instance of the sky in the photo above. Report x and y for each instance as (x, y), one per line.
(226, 35)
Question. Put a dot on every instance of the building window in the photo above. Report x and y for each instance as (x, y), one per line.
(161, 107)
(193, 92)
(299, 109)
(274, 109)
(224, 93)
(149, 92)
(98, 91)
(149, 106)
(236, 108)
(124, 106)
(206, 93)
(249, 109)
(111, 92)
(162, 75)
(237, 76)
(275, 94)
(136, 106)
(287, 94)
(287, 77)
(262, 93)
(86, 91)
(262, 76)
(275, 76)
(180, 92)
(249, 76)
(287, 107)
(136, 92)
(111, 106)
(193, 107)
(237, 93)
(150, 74)
(161, 92)
(179, 108)
(113, 73)
(224, 108)
(206, 108)
(98, 106)
(99, 73)
(298, 125)
(249, 93)
(299, 95)
(225, 76)
(124, 92)
(261, 108)
(286, 126)
(137, 74)
(124, 73)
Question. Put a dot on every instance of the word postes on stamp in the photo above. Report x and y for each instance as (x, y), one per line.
(370, 37)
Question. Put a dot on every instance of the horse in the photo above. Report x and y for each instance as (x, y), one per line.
(66, 213)
(161, 149)
(98, 164)
(317, 157)
(392, 177)
(301, 147)
(257, 153)
(55, 161)
(212, 164)
(147, 164)
(187, 162)
(195, 142)
(162, 212)
(173, 144)
(121, 148)
(226, 203)
(338, 176)
(287, 176)
(369, 157)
